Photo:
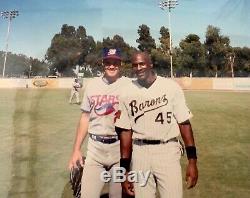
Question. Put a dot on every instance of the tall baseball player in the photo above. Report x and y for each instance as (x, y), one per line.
(75, 91)
(99, 105)
(152, 114)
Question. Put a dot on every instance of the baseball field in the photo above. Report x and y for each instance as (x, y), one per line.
(37, 129)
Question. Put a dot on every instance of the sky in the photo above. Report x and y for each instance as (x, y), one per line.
(39, 20)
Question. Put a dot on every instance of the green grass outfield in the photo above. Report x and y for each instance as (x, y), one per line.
(37, 129)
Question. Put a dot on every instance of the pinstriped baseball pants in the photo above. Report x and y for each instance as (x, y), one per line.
(163, 161)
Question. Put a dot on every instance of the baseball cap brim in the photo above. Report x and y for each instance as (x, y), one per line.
(112, 57)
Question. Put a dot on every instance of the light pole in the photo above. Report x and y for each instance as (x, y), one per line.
(231, 61)
(30, 70)
(169, 4)
(8, 15)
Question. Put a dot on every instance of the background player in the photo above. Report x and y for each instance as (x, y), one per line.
(152, 114)
(99, 105)
(76, 86)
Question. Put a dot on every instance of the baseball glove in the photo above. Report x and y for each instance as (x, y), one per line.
(75, 179)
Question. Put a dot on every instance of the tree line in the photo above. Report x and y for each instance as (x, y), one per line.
(19, 65)
(72, 47)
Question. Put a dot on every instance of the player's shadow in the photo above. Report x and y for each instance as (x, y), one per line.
(67, 193)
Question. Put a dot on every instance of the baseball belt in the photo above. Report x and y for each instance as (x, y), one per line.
(152, 142)
(105, 139)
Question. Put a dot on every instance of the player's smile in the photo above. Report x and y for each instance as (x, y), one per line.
(143, 73)
(112, 66)
(140, 73)
(112, 69)
(141, 68)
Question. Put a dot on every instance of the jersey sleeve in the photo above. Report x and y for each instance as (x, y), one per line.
(122, 118)
(86, 102)
(181, 111)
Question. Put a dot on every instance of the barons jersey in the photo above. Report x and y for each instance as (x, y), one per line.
(101, 101)
(153, 113)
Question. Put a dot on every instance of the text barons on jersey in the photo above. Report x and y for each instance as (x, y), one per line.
(154, 103)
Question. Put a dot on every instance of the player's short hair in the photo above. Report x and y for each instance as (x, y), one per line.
(146, 55)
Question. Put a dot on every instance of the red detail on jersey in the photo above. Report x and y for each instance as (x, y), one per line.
(104, 104)
(117, 115)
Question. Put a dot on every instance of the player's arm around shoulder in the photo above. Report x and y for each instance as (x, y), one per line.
(123, 129)
(122, 120)
(81, 132)
(125, 136)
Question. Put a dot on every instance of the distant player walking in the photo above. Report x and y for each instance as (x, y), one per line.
(76, 86)
(99, 105)
(153, 113)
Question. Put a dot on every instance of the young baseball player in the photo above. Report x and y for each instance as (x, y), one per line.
(99, 105)
(76, 86)
(152, 114)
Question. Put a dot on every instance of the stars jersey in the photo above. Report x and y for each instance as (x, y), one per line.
(153, 113)
(101, 101)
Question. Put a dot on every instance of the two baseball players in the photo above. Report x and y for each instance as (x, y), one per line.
(153, 112)
(99, 105)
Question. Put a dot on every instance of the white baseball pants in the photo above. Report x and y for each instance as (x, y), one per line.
(76, 94)
(163, 161)
(100, 157)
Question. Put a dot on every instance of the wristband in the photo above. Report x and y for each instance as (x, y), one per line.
(191, 152)
(125, 163)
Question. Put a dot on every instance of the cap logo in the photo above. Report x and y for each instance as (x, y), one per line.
(111, 52)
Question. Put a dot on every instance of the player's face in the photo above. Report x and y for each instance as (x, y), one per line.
(112, 68)
(142, 67)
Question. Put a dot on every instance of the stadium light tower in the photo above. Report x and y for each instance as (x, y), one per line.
(169, 4)
(9, 15)
(231, 60)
